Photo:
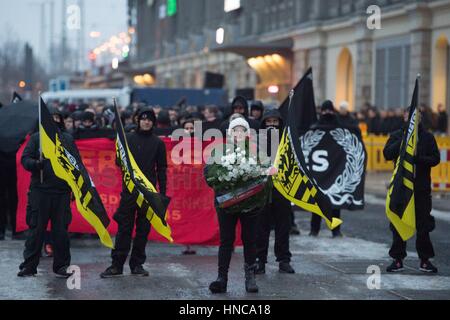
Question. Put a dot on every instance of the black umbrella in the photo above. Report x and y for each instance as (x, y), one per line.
(16, 121)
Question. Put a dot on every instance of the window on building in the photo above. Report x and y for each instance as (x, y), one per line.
(392, 73)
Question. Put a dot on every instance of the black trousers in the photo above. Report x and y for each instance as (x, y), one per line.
(227, 226)
(8, 197)
(127, 215)
(316, 221)
(279, 214)
(425, 223)
(45, 207)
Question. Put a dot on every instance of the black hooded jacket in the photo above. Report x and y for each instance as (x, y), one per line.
(149, 152)
(271, 113)
(265, 138)
(252, 123)
(428, 156)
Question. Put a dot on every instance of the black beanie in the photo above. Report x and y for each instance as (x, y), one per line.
(88, 116)
(327, 105)
(147, 113)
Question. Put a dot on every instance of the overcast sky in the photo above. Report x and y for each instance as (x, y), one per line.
(22, 19)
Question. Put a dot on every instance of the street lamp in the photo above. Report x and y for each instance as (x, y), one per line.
(273, 89)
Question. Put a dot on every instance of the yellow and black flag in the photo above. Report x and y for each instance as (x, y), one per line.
(67, 165)
(147, 198)
(400, 205)
(292, 179)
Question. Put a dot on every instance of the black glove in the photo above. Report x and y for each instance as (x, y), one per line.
(39, 164)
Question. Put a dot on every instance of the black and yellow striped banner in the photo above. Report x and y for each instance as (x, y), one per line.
(400, 204)
(68, 166)
(147, 198)
(292, 179)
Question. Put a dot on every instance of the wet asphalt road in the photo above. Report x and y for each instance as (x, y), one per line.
(326, 268)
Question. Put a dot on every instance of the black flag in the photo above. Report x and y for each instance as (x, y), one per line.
(306, 115)
(293, 178)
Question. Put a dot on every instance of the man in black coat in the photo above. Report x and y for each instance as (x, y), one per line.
(240, 105)
(49, 199)
(278, 212)
(428, 156)
(8, 193)
(149, 152)
(328, 118)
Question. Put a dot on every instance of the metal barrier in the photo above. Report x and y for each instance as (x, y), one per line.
(374, 146)
(440, 174)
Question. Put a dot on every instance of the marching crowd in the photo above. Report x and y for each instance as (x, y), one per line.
(85, 121)
(144, 125)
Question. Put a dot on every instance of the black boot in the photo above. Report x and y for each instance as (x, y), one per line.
(285, 267)
(220, 285)
(261, 268)
(250, 281)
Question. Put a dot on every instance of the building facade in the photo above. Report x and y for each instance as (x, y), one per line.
(266, 45)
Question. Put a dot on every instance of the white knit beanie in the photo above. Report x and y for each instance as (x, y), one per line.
(238, 122)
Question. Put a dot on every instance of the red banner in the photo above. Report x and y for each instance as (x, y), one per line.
(191, 212)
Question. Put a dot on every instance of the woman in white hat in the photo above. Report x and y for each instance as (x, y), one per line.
(238, 135)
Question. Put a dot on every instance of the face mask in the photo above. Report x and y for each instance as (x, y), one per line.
(328, 116)
(60, 125)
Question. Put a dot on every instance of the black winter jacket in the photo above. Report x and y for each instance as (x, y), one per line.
(428, 156)
(149, 152)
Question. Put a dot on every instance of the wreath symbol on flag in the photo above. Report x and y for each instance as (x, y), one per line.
(347, 182)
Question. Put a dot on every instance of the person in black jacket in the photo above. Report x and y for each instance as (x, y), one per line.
(328, 117)
(278, 212)
(49, 199)
(149, 153)
(8, 193)
(256, 110)
(90, 130)
(442, 120)
(239, 105)
(428, 156)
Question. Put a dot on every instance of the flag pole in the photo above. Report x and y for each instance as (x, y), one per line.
(419, 76)
(40, 139)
